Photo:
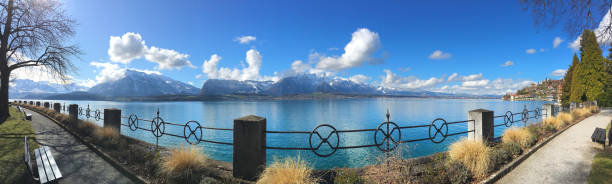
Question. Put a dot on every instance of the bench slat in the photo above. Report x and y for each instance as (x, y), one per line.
(45, 161)
(40, 167)
(54, 167)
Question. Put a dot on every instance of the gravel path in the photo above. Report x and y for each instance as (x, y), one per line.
(565, 159)
(77, 163)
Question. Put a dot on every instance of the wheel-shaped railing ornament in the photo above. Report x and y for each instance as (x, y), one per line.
(537, 113)
(133, 122)
(525, 115)
(87, 112)
(326, 140)
(441, 128)
(192, 129)
(508, 119)
(80, 111)
(97, 115)
(389, 142)
(158, 126)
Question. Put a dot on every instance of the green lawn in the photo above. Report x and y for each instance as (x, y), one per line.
(601, 170)
(12, 131)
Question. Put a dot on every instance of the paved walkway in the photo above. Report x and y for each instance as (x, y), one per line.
(565, 159)
(76, 161)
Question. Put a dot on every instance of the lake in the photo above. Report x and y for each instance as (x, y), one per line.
(305, 115)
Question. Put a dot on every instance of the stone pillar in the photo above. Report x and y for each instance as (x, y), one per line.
(249, 147)
(548, 110)
(572, 106)
(112, 118)
(56, 107)
(481, 124)
(31, 103)
(73, 112)
(46, 104)
(37, 104)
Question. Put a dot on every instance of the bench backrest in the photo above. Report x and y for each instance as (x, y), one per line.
(26, 155)
(610, 134)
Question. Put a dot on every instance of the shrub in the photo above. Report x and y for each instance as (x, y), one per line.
(434, 171)
(550, 122)
(184, 164)
(458, 173)
(391, 168)
(520, 136)
(347, 176)
(287, 171)
(473, 154)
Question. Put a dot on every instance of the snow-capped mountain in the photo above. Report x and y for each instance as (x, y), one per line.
(136, 83)
(20, 88)
(299, 84)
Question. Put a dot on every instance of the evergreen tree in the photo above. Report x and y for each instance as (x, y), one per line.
(591, 72)
(606, 97)
(567, 81)
(576, 89)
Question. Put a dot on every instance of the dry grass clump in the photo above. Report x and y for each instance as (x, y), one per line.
(106, 133)
(593, 109)
(551, 122)
(565, 117)
(287, 171)
(183, 164)
(473, 154)
(581, 113)
(86, 127)
(520, 136)
(392, 169)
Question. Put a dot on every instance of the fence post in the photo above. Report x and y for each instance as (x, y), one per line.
(481, 125)
(56, 107)
(73, 112)
(37, 104)
(31, 103)
(249, 147)
(550, 110)
(112, 118)
(46, 104)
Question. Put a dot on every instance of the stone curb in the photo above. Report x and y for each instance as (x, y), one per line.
(510, 166)
(135, 178)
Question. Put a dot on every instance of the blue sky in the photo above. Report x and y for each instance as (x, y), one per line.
(394, 42)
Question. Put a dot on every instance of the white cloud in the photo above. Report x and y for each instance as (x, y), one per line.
(364, 43)
(483, 87)
(475, 83)
(507, 63)
(251, 72)
(359, 78)
(530, 51)
(299, 66)
(456, 77)
(452, 77)
(557, 41)
(109, 72)
(394, 81)
(198, 76)
(603, 37)
(126, 48)
(190, 83)
(245, 39)
(131, 46)
(86, 83)
(558, 73)
(438, 55)
(168, 59)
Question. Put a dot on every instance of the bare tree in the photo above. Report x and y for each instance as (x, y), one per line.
(34, 33)
(573, 15)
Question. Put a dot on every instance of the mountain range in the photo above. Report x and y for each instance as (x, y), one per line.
(149, 86)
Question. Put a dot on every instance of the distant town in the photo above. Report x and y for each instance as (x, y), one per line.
(548, 89)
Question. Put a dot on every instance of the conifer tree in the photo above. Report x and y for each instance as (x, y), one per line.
(567, 81)
(591, 72)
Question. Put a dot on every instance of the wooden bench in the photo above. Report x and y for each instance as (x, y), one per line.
(599, 136)
(48, 172)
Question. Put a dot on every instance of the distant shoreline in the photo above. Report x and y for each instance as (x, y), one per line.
(238, 97)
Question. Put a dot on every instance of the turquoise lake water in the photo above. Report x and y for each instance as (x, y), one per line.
(305, 115)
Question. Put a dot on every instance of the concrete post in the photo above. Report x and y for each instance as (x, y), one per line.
(37, 104)
(572, 106)
(481, 124)
(112, 118)
(548, 110)
(249, 147)
(46, 104)
(31, 103)
(73, 112)
(56, 107)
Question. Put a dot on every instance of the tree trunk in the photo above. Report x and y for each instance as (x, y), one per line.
(4, 87)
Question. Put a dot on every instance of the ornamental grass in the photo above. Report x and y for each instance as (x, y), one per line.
(288, 171)
(519, 136)
(473, 154)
